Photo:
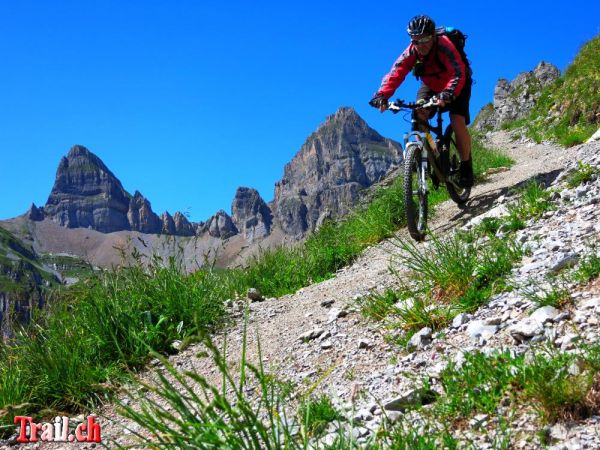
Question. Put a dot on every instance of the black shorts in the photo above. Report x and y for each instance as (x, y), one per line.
(460, 105)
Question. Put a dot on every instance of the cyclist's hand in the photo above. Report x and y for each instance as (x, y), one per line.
(443, 99)
(379, 102)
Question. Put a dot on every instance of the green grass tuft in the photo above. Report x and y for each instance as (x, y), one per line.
(316, 414)
(554, 294)
(532, 203)
(588, 268)
(452, 275)
(563, 386)
(583, 174)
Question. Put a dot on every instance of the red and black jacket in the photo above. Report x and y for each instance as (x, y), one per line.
(443, 69)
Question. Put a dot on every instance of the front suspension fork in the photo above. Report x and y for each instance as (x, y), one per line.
(423, 174)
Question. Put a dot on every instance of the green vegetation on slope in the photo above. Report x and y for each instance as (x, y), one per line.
(459, 273)
(568, 110)
(20, 269)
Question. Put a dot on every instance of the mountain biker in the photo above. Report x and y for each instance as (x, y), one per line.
(436, 61)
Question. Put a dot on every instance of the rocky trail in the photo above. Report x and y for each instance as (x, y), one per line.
(317, 339)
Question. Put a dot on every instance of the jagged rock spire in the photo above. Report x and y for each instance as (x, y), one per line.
(87, 194)
(335, 163)
(250, 214)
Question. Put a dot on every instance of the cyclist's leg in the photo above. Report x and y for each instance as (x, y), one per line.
(463, 138)
(460, 118)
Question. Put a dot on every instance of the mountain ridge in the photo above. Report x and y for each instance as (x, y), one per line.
(324, 180)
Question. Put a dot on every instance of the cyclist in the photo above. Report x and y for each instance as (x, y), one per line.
(436, 61)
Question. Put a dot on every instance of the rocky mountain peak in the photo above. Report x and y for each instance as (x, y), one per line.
(168, 224)
(220, 225)
(340, 159)
(183, 227)
(546, 73)
(87, 194)
(141, 217)
(344, 113)
(345, 122)
(34, 213)
(250, 214)
(80, 151)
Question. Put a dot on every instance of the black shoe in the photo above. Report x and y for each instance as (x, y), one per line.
(466, 174)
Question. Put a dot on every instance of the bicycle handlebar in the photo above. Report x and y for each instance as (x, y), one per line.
(400, 105)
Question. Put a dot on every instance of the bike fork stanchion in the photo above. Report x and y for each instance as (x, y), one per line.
(423, 190)
(423, 174)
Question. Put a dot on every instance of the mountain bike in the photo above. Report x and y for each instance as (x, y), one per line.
(426, 157)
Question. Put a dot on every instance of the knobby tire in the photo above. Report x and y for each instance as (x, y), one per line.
(415, 198)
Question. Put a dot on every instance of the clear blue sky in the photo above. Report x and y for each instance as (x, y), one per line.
(187, 100)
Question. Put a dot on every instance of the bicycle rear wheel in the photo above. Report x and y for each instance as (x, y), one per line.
(415, 192)
(457, 193)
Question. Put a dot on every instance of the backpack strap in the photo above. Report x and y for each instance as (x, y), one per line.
(461, 53)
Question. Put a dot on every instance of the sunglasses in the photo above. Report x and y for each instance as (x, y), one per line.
(421, 41)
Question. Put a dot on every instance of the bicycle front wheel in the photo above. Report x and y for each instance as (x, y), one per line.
(415, 192)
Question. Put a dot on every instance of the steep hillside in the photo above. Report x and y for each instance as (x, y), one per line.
(568, 111)
(24, 281)
(545, 106)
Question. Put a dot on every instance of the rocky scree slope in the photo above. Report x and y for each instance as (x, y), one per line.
(316, 337)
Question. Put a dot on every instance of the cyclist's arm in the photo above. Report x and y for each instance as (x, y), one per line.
(397, 74)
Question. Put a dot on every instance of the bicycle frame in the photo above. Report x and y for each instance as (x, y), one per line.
(425, 140)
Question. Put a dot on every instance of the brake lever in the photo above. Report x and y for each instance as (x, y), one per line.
(393, 106)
